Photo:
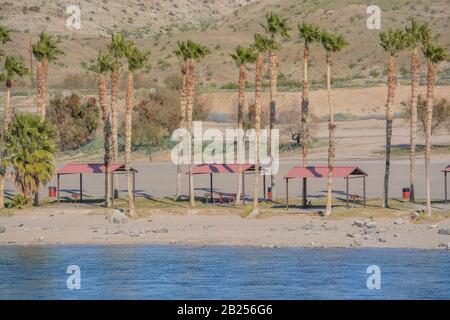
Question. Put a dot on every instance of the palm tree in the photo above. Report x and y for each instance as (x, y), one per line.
(434, 55)
(117, 50)
(181, 53)
(194, 51)
(242, 57)
(416, 35)
(31, 151)
(309, 33)
(45, 50)
(392, 42)
(275, 25)
(13, 67)
(102, 66)
(331, 43)
(136, 60)
(261, 45)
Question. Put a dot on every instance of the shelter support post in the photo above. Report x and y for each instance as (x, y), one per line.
(211, 187)
(57, 187)
(364, 190)
(346, 191)
(134, 186)
(287, 194)
(112, 188)
(264, 188)
(81, 187)
(445, 177)
(243, 188)
(304, 196)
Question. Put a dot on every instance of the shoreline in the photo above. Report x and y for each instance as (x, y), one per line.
(85, 227)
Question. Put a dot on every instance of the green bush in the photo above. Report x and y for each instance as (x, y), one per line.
(75, 121)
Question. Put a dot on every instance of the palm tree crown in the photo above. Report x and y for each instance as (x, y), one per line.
(275, 24)
(417, 34)
(332, 43)
(393, 41)
(14, 67)
(47, 48)
(244, 55)
(4, 35)
(262, 43)
(194, 50)
(136, 59)
(434, 53)
(309, 33)
(102, 65)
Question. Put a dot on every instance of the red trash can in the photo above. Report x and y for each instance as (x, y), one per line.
(406, 194)
(52, 192)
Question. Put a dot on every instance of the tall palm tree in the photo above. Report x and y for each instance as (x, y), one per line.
(182, 54)
(416, 35)
(136, 60)
(392, 42)
(14, 67)
(102, 66)
(241, 57)
(261, 46)
(309, 33)
(434, 55)
(275, 25)
(45, 51)
(331, 43)
(194, 51)
(117, 50)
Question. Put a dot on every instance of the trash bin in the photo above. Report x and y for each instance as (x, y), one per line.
(52, 192)
(269, 193)
(406, 193)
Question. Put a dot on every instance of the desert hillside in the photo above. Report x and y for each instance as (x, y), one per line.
(221, 25)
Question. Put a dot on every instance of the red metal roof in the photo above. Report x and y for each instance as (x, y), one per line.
(221, 168)
(91, 168)
(447, 169)
(322, 172)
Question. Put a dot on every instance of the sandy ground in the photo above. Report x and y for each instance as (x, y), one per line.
(68, 225)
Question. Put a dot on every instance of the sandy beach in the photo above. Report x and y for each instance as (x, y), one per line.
(66, 225)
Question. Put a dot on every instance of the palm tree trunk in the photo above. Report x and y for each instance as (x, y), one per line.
(415, 72)
(304, 121)
(42, 71)
(331, 140)
(273, 66)
(392, 83)
(101, 87)
(182, 123)
(107, 159)
(114, 125)
(6, 122)
(258, 93)
(240, 120)
(129, 100)
(190, 107)
(431, 79)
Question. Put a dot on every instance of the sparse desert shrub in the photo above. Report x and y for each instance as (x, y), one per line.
(156, 117)
(76, 121)
(77, 81)
(441, 114)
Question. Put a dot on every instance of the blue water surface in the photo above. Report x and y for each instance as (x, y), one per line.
(174, 272)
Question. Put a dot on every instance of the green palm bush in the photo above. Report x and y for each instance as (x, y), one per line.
(31, 152)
